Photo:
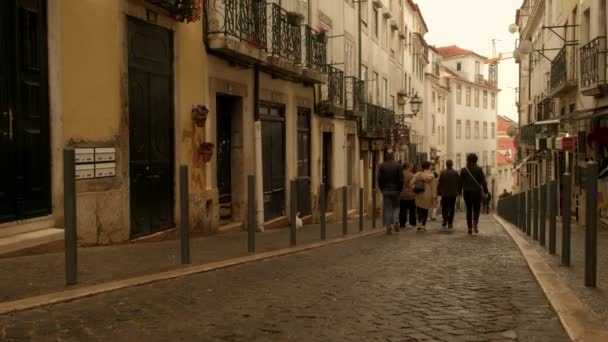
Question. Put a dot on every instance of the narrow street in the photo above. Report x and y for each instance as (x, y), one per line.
(406, 287)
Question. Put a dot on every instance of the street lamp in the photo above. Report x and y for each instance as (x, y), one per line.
(415, 104)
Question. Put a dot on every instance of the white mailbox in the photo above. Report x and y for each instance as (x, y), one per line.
(105, 170)
(85, 171)
(105, 154)
(84, 155)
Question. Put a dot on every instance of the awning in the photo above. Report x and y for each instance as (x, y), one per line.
(547, 122)
(590, 113)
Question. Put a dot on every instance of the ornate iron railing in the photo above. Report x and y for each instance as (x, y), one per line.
(285, 37)
(544, 110)
(333, 91)
(355, 94)
(377, 121)
(242, 19)
(559, 70)
(593, 63)
(316, 48)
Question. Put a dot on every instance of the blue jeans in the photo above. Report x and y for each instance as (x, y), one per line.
(391, 207)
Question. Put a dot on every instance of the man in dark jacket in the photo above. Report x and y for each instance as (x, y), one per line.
(448, 188)
(390, 181)
(474, 187)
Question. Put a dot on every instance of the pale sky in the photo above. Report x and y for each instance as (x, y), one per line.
(472, 24)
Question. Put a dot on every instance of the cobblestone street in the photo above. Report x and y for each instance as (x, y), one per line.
(406, 287)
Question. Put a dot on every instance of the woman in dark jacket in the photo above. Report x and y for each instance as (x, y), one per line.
(474, 187)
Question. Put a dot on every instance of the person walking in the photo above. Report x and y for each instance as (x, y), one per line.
(408, 198)
(448, 188)
(390, 181)
(433, 211)
(425, 187)
(473, 189)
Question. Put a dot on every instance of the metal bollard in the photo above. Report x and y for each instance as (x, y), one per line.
(323, 209)
(529, 212)
(567, 184)
(543, 214)
(251, 223)
(553, 199)
(184, 204)
(361, 212)
(373, 208)
(591, 220)
(535, 216)
(294, 213)
(69, 212)
(344, 210)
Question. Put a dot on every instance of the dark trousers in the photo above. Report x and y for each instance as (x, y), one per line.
(486, 208)
(423, 214)
(407, 207)
(472, 200)
(448, 206)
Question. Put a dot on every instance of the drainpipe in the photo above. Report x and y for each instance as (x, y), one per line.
(257, 132)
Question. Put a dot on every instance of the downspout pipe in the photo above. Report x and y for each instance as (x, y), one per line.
(257, 131)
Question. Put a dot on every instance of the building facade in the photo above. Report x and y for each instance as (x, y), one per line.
(505, 156)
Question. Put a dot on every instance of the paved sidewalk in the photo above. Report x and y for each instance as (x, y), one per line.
(28, 276)
(406, 287)
(595, 298)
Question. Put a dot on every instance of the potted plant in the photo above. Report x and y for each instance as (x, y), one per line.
(322, 35)
(187, 11)
(199, 115)
(206, 151)
(294, 18)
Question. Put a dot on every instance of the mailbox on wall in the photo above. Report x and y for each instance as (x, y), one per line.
(95, 162)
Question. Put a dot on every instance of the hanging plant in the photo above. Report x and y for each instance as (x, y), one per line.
(294, 18)
(322, 35)
(199, 115)
(206, 151)
(187, 11)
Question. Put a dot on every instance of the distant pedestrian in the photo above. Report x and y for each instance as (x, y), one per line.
(408, 199)
(433, 211)
(474, 188)
(425, 187)
(390, 181)
(504, 194)
(448, 188)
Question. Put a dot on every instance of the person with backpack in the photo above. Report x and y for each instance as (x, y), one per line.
(390, 181)
(425, 188)
(473, 189)
(448, 188)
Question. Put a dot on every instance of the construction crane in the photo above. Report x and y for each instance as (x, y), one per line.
(493, 62)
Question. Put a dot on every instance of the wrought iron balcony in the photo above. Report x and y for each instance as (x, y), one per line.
(285, 37)
(593, 67)
(479, 79)
(316, 49)
(232, 22)
(544, 110)
(563, 71)
(355, 96)
(377, 121)
(332, 93)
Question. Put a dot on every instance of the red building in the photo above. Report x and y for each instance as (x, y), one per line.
(505, 154)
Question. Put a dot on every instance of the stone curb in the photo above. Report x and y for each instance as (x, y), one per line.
(92, 290)
(576, 318)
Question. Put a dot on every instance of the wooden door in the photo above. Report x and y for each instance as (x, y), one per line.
(273, 143)
(150, 128)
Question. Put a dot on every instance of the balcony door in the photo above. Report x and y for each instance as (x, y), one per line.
(24, 111)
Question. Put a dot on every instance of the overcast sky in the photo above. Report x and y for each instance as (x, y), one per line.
(472, 24)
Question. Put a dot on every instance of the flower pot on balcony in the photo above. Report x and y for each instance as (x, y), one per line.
(206, 151)
(294, 18)
(322, 36)
(199, 115)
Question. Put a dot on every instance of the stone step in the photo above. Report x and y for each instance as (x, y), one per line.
(22, 227)
(10, 245)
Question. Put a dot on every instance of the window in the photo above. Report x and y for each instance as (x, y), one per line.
(387, 32)
(493, 159)
(445, 105)
(458, 94)
(439, 103)
(433, 96)
(349, 58)
(433, 121)
(458, 129)
(443, 134)
(477, 68)
(484, 160)
(376, 81)
(492, 132)
(393, 102)
(375, 21)
(365, 82)
(458, 161)
(493, 101)
(385, 91)
(485, 130)
(459, 66)
(476, 129)
(364, 12)
(477, 98)
(485, 99)
(469, 96)
(467, 130)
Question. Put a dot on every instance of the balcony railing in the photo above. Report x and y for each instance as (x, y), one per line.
(479, 79)
(593, 67)
(355, 95)
(377, 121)
(563, 71)
(333, 92)
(285, 38)
(527, 134)
(242, 19)
(316, 49)
(544, 110)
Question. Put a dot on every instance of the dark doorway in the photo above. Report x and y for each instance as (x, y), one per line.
(273, 144)
(225, 107)
(150, 127)
(24, 111)
(304, 171)
(326, 163)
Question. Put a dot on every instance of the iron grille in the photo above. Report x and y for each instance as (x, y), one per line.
(333, 91)
(242, 19)
(544, 110)
(316, 49)
(286, 38)
(593, 63)
(355, 94)
(528, 134)
(559, 70)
